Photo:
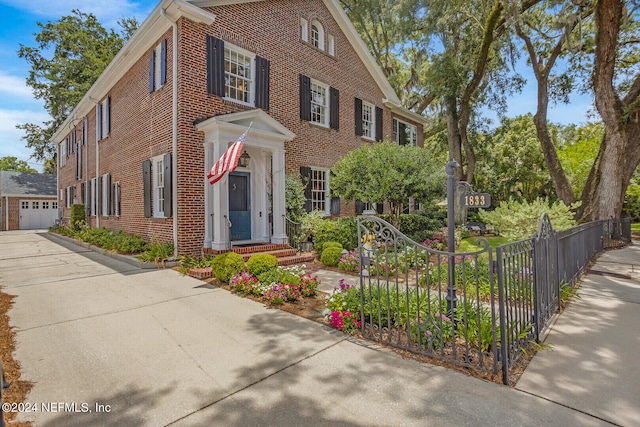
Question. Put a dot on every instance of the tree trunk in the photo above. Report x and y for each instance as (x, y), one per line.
(619, 152)
(453, 135)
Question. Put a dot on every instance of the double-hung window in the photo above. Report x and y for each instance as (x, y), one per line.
(405, 133)
(238, 75)
(368, 120)
(103, 118)
(319, 180)
(158, 186)
(319, 103)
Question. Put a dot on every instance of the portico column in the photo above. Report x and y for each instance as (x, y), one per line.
(209, 217)
(279, 232)
(220, 204)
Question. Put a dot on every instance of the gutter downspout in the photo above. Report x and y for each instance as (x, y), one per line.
(98, 208)
(174, 132)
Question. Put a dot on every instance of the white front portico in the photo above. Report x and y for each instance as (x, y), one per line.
(237, 207)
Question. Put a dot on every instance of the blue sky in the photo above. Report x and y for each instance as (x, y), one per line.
(17, 104)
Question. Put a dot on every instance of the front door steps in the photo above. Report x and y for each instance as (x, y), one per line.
(286, 256)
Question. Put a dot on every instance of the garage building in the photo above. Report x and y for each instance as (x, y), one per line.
(28, 201)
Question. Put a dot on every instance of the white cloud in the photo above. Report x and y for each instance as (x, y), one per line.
(11, 143)
(14, 86)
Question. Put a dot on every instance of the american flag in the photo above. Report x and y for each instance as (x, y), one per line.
(229, 160)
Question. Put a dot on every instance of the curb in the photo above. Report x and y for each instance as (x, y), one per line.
(129, 259)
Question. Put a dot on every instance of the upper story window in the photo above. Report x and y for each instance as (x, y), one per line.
(103, 118)
(331, 50)
(63, 154)
(319, 103)
(405, 133)
(368, 120)
(158, 66)
(317, 35)
(236, 74)
(304, 30)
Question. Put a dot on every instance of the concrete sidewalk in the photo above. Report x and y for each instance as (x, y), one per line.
(592, 363)
(151, 347)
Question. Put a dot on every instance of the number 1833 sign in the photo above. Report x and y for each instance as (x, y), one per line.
(475, 200)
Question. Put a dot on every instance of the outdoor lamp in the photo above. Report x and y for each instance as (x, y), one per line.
(244, 159)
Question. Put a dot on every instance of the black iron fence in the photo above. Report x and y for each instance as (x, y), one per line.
(471, 309)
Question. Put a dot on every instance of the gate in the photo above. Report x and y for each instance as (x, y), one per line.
(425, 300)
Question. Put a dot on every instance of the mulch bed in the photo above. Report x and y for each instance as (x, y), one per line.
(17, 392)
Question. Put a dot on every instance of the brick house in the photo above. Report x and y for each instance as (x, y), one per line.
(137, 147)
(27, 200)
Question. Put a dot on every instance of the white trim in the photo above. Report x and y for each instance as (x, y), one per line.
(371, 127)
(304, 30)
(325, 105)
(251, 79)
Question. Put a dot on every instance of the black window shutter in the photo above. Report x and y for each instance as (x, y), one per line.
(163, 62)
(99, 200)
(118, 199)
(378, 124)
(357, 114)
(152, 70)
(262, 83)
(335, 205)
(334, 108)
(305, 98)
(215, 66)
(109, 201)
(359, 207)
(146, 184)
(168, 199)
(305, 174)
(380, 208)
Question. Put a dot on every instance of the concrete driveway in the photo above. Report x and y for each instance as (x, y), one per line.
(151, 347)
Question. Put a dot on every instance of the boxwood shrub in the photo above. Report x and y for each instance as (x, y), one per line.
(225, 265)
(261, 263)
(331, 256)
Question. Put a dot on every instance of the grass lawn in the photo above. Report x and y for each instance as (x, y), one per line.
(635, 230)
(469, 244)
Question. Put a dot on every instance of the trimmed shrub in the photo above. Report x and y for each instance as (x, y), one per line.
(130, 244)
(78, 218)
(331, 245)
(261, 263)
(331, 256)
(225, 265)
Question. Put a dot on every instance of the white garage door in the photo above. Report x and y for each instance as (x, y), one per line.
(35, 214)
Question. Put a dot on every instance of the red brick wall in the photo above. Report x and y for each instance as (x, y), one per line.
(141, 121)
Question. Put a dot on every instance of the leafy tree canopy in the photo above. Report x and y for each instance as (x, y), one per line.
(69, 56)
(388, 172)
(11, 163)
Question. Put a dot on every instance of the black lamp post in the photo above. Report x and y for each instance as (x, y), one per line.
(451, 282)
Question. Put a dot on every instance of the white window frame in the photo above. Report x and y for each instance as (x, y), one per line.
(368, 121)
(157, 72)
(45, 205)
(369, 208)
(105, 195)
(63, 154)
(319, 106)
(317, 35)
(331, 48)
(24, 204)
(54, 205)
(413, 136)
(105, 117)
(249, 81)
(157, 184)
(304, 30)
(320, 197)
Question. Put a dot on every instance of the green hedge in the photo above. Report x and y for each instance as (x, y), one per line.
(225, 265)
(261, 263)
